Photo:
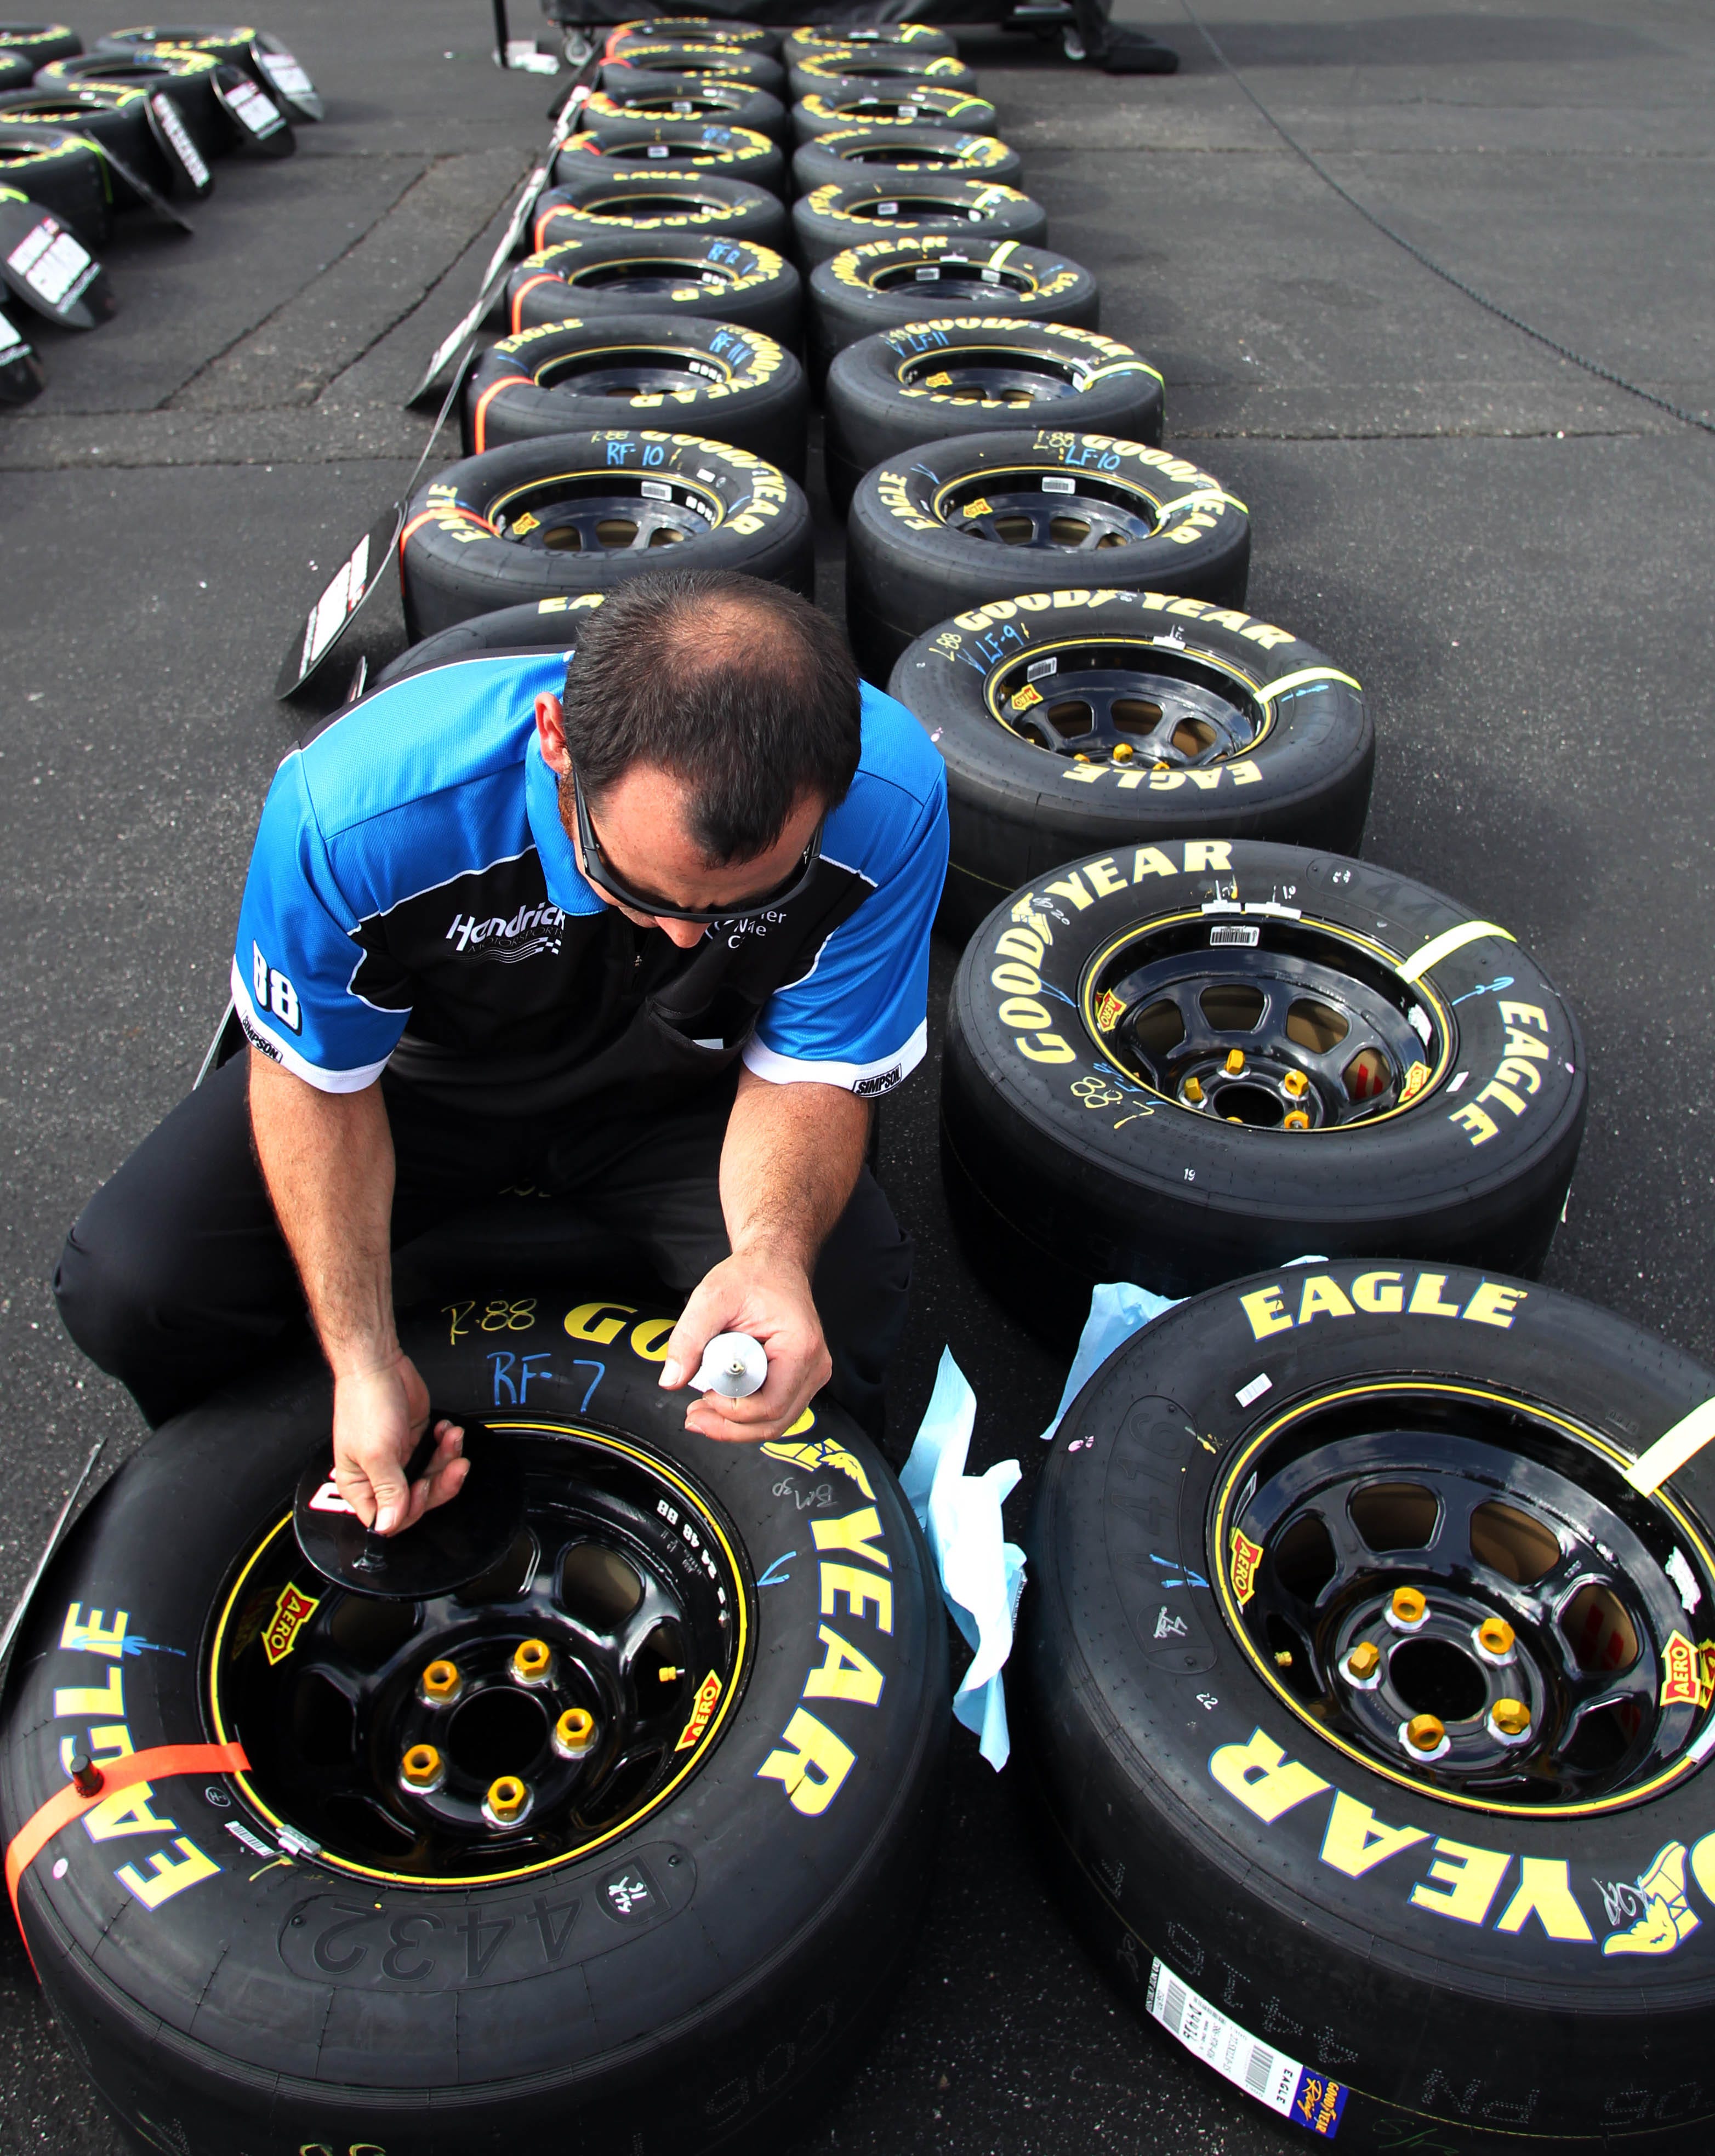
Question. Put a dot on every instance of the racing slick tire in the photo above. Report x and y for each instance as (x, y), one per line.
(634, 200)
(37, 43)
(708, 377)
(112, 118)
(706, 1932)
(60, 170)
(188, 78)
(717, 100)
(916, 39)
(886, 282)
(1070, 720)
(843, 213)
(547, 625)
(571, 513)
(970, 373)
(969, 520)
(855, 102)
(849, 152)
(687, 58)
(16, 73)
(706, 29)
(740, 153)
(234, 46)
(890, 70)
(658, 273)
(1498, 1945)
(1172, 1064)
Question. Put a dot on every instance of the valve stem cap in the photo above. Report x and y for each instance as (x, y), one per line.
(86, 1777)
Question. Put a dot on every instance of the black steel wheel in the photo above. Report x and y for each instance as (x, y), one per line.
(858, 102)
(843, 213)
(633, 272)
(741, 153)
(849, 151)
(645, 200)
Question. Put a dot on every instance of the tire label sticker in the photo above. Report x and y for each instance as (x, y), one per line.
(337, 603)
(1309, 2100)
(1247, 1555)
(1248, 937)
(708, 1693)
(247, 104)
(1681, 1673)
(286, 74)
(52, 263)
(291, 1614)
(173, 128)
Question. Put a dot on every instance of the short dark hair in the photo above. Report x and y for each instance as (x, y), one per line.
(741, 690)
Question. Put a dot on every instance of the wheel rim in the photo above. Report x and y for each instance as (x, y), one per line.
(915, 209)
(624, 206)
(667, 153)
(593, 1669)
(1052, 513)
(638, 372)
(1460, 1589)
(1128, 701)
(1276, 1023)
(977, 282)
(681, 105)
(603, 513)
(652, 277)
(975, 376)
(905, 156)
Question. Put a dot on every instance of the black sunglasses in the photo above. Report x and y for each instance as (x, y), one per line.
(597, 871)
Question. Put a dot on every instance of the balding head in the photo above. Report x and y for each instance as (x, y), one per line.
(739, 690)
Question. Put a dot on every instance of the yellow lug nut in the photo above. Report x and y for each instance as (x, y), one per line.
(1424, 1732)
(1296, 1120)
(1235, 1062)
(1296, 1083)
(1511, 1716)
(532, 1661)
(421, 1767)
(1194, 1091)
(1364, 1659)
(1283, 1660)
(1123, 751)
(440, 1683)
(1495, 1636)
(506, 1799)
(668, 1675)
(1409, 1605)
(574, 1733)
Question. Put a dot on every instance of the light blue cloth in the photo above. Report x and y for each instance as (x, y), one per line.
(982, 1573)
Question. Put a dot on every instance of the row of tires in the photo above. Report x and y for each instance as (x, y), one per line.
(129, 125)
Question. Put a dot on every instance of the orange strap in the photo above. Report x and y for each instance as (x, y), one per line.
(444, 508)
(157, 1764)
(478, 425)
(547, 277)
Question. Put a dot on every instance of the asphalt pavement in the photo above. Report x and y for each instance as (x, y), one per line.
(1510, 552)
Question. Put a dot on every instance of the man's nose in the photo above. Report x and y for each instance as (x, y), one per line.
(684, 933)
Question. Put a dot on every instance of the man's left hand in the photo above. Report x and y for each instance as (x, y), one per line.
(769, 1298)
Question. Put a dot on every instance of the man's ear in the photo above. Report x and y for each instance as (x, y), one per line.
(550, 732)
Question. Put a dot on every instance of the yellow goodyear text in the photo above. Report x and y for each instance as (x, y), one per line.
(1301, 1299)
(1517, 1077)
(153, 1876)
(812, 1759)
(1262, 633)
(601, 1324)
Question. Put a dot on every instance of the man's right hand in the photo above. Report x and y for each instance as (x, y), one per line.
(379, 1414)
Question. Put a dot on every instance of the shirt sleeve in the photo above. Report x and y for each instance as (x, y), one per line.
(859, 1018)
(295, 956)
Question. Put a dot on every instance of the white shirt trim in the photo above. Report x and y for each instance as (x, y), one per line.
(281, 1050)
(869, 1079)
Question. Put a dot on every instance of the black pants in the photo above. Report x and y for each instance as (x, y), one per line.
(176, 1279)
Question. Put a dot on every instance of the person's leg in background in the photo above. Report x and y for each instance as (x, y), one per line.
(1117, 47)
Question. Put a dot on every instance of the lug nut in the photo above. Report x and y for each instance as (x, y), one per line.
(1425, 1734)
(1283, 1660)
(1364, 1661)
(1296, 1083)
(1235, 1062)
(1295, 1120)
(574, 1733)
(1193, 1092)
(1123, 751)
(507, 1800)
(440, 1684)
(668, 1675)
(1408, 1609)
(532, 1661)
(1495, 1637)
(421, 1767)
(1511, 1718)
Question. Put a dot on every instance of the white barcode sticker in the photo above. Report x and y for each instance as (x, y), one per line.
(1283, 2083)
(683, 107)
(907, 112)
(990, 276)
(260, 113)
(1038, 667)
(927, 272)
(173, 128)
(657, 150)
(1255, 1390)
(1248, 937)
(653, 489)
(887, 209)
(52, 263)
(1053, 484)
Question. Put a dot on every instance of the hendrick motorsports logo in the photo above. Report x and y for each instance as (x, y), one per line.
(531, 931)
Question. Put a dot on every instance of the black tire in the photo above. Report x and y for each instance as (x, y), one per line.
(807, 1879)
(908, 150)
(891, 69)
(638, 200)
(739, 153)
(842, 214)
(688, 58)
(187, 76)
(818, 37)
(855, 102)
(914, 554)
(706, 29)
(713, 378)
(36, 43)
(1300, 1872)
(1264, 738)
(116, 119)
(710, 100)
(547, 625)
(16, 73)
(658, 273)
(885, 283)
(62, 171)
(1070, 1150)
(455, 562)
(955, 374)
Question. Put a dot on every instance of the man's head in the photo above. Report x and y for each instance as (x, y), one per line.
(710, 721)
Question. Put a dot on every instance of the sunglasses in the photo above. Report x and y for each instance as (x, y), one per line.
(598, 870)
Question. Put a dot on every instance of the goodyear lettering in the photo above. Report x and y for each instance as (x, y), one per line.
(1544, 1891)
(1262, 1777)
(1492, 1302)
(854, 1532)
(1356, 1841)
(1462, 1881)
(1242, 771)
(91, 1635)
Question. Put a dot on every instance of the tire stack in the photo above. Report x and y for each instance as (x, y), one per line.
(129, 125)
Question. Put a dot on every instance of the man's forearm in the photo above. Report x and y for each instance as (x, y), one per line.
(791, 1156)
(327, 1159)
